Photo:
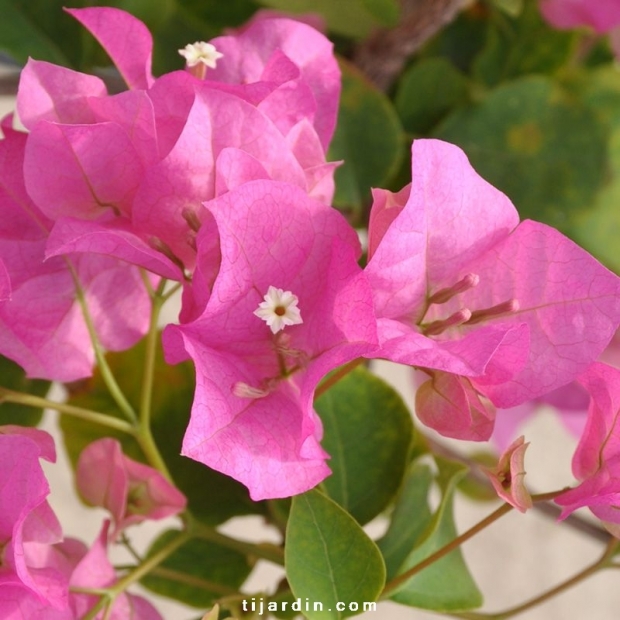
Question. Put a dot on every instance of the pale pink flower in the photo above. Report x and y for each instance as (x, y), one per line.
(93, 571)
(131, 170)
(507, 477)
(55, 343)
(252, 416)
(132, 492)
(460, 287)
(31, 572)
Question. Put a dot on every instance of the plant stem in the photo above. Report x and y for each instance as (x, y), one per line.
(149, 357)
(548, 509)
(191, 580)
(458, 541)
(601, 563)
(146, 567)
(105, 370)
(265, 551)
(336, 376)
(77, 412)
(144, 434)
(445, 550)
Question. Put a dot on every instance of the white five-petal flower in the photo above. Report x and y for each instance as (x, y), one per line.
(201, 53)
(279, 309)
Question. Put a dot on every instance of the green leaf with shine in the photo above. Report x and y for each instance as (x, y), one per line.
(213, 497)
(369, 138)
(386, 12)
(409, 519)
(198, 573)
(427, 91)
(446, 585)
(543, 147)
(329, 558)
(37, 29)
(367, 432)
(351, 18)
(597, 226)
(520, 46)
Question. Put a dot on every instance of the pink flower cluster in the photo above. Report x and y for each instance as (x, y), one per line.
(216, 177)
(44, 577)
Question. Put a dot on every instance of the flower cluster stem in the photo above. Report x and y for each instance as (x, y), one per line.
(140, 571)
(395, 583)
(77, 412)
(106, 372)
(269, 552)
(337, 375)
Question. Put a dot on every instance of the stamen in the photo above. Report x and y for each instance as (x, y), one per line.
(243, 390)
(161, 246)
(507, 307)
(189, 215)
(446, 294)
(438, 327)
(190, 239)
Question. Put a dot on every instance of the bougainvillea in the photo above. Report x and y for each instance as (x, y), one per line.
(190, 244)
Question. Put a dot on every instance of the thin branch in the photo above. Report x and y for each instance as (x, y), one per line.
(383, 55)
(548, 509)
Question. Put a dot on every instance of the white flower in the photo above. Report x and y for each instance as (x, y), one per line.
(200, 53)
(279, 309)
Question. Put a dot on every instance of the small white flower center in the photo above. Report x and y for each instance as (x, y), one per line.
(279, 309)
(201, 53)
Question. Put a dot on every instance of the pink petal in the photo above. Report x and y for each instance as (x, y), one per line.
(126, 40)
(112, 237)
(95, 168)
(247, 55)
(271, 234)
(187, 176)
(602, 15)
(450, 405)
(570, 302)
(51, 93)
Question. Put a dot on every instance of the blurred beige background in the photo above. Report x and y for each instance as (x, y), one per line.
(513, 560)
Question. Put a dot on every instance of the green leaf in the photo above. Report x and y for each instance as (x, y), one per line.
(351, 18)
(543, 148)
(13, 377)
(461, 40)
(329, 558)
(597, 229)
(521, 46)
(172, 399)
(153, 14)
(36, 29)
(369, 138)
(510, 7)
(409, 519)
(427, 91)
(368, 464)
(446, 585)
(386, 12)
(198, 573)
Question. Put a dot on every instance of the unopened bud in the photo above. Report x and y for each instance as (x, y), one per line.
(446, 294)
(161, 246)
(438, 327)
(507, 307)
(189, 215)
